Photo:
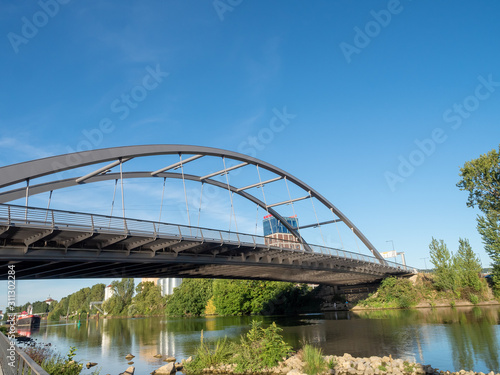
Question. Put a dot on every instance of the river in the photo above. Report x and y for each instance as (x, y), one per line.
(449, 339)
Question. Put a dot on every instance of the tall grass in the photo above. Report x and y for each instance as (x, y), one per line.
(313, 357)
(210, 354)
(260, 348)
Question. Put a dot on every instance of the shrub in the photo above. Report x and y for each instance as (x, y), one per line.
(261, 348)
(53, 363)
(404, 302)
(393, 292)
(473, 298)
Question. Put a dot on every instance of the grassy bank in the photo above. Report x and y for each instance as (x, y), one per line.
(422, 290)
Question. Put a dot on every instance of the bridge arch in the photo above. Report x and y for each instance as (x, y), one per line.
(27, 171)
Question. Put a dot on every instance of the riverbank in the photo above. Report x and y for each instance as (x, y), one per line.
(424, 291)
(431, 305)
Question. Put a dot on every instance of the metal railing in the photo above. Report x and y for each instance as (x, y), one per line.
(34, 217)
(14, 361)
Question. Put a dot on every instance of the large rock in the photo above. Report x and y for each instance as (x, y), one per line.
(167, 369)
(361, 366)
(129, 371)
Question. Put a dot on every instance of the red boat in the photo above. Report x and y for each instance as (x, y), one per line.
(28, 319)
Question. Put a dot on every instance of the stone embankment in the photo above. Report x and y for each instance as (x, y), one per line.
(348, 365)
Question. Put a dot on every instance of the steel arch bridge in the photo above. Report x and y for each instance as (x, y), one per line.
(47, 243)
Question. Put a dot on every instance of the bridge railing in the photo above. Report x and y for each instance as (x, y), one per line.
(14, 215)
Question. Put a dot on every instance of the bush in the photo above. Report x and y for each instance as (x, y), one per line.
(315, 363)
(260, 348)
(55, 315)
(393, 293)
(473, 298)
(53, 363)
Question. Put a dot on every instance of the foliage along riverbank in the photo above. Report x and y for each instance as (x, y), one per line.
(421, 291)
(455, 280)
(194, 297)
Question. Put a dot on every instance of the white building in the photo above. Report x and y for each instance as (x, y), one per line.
(167, 285)
(108, 292)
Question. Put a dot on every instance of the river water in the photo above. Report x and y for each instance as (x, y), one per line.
(449, 339)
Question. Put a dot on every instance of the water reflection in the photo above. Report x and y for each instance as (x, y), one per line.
(471, 333)
(450, 339)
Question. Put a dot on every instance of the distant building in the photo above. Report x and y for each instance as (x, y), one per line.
(278, 235)
(49, 300)
(167, 284)
(108, 292)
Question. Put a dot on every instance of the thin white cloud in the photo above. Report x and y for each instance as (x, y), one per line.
(27, 150)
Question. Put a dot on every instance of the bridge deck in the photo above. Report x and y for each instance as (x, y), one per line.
(50, 244)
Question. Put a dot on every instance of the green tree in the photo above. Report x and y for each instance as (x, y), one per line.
(468, 266)
(446, 277)
(119, 303)
(481, 178)
(489, 229)
(232, 297)
(78, 301)
(148, 299)
(190, 298)
(96, 294)
(123, 290)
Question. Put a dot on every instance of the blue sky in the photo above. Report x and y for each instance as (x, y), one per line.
(390, 98)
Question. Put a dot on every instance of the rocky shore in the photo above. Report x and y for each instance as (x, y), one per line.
(342, 365)
(348, 365)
